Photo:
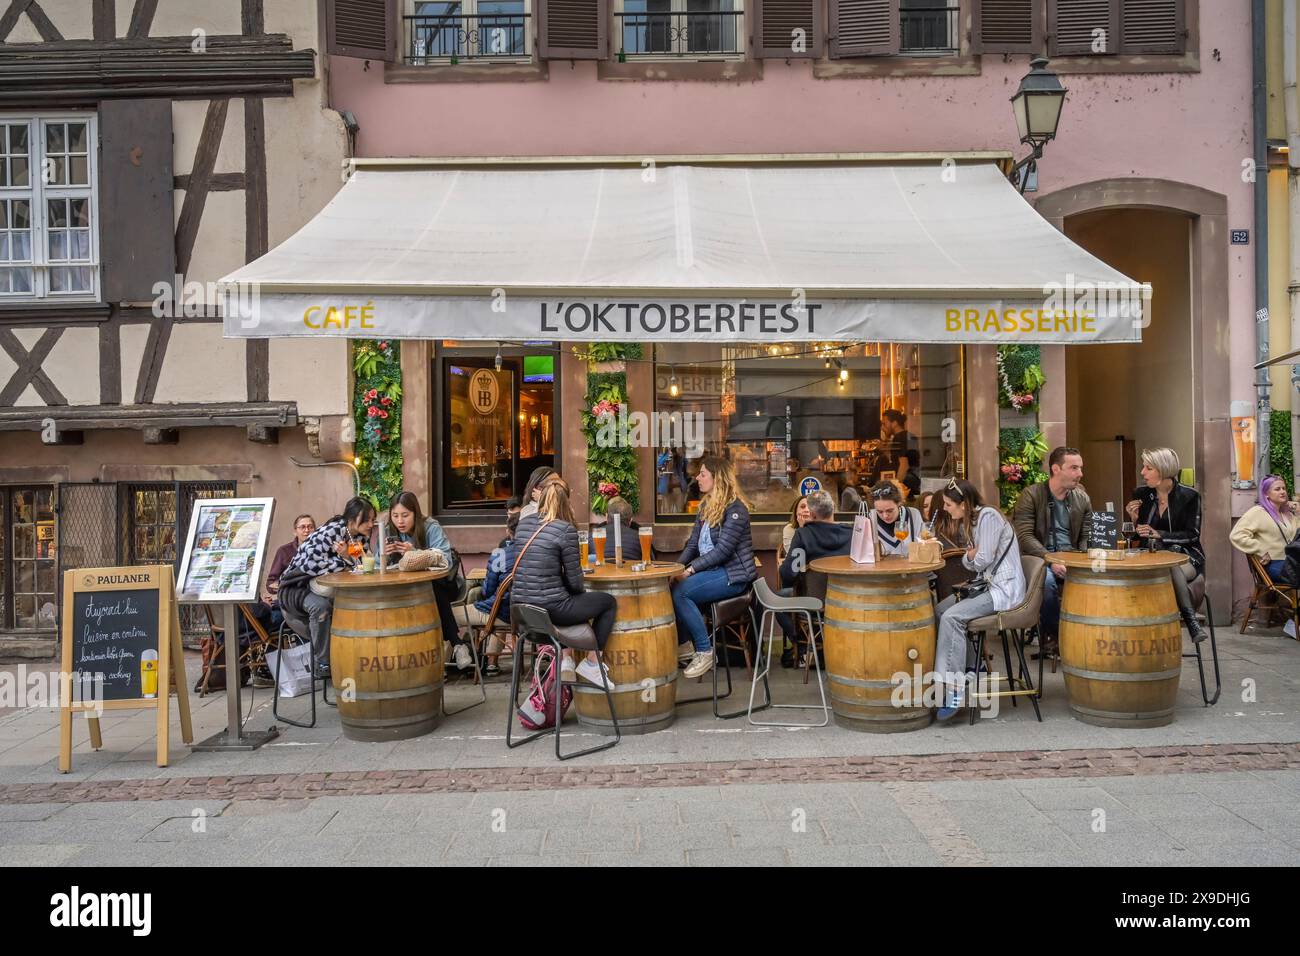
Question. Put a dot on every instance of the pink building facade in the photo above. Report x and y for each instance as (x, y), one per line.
(1149, 172)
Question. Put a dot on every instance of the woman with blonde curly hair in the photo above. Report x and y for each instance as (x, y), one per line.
(719, 559)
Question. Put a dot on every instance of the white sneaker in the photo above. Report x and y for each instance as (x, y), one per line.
(464, 659)
(685, 651)
(700, 665)
(594, 674)
(568, 674)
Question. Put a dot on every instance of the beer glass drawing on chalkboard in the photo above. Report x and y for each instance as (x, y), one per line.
(224, 549)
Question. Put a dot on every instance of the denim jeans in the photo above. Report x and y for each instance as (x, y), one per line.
(703, 587)
(1049, 623)
(1275, 569)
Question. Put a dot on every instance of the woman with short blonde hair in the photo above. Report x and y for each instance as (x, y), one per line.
(1169, 513)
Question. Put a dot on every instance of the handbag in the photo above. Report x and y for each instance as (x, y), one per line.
(980, 584)
(538, 711)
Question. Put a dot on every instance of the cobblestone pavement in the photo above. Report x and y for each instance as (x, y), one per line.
(1218, 786)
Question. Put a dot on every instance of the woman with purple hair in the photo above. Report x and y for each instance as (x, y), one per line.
(1268, 527)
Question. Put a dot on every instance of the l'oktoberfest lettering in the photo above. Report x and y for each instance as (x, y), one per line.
(653, 318)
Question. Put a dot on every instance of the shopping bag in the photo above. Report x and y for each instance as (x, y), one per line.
(862, 549)
(294, 671)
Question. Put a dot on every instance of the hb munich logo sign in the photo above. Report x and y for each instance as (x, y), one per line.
(484, 393)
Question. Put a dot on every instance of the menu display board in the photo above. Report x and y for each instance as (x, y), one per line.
(224, 549)
(1103, 530)
(122, 643)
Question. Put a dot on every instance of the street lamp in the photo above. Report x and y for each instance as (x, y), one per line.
(1037, 105)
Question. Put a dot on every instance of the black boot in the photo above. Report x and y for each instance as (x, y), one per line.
(1194, 629)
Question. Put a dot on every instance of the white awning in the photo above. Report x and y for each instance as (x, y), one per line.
(915, 252)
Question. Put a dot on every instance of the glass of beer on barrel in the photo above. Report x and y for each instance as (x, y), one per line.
(582, 549)
(646, 534)
(598, 545)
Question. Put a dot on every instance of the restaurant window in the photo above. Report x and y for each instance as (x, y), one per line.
(498, 422)
(679, 28)
(30, 579)
(49, 247)
(816, 415)
(447, 32)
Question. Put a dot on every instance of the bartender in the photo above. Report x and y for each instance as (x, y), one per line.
(898, 451)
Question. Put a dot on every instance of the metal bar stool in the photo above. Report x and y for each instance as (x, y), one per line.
(773, 604)
(724, 617)
(534, 624)
(1200, 596)
(1012, 625)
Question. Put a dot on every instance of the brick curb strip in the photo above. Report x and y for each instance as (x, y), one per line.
(995, 765)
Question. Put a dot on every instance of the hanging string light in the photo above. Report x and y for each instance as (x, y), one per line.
(673, 388)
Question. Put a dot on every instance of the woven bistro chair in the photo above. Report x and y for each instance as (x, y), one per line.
(1012, 626)
(1287, 597)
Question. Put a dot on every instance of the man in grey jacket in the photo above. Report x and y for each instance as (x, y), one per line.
(1054, 516)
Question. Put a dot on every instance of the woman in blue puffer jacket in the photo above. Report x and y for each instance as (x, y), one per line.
(719, 559)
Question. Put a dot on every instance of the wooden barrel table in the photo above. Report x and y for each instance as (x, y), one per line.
(641, 653)
(879, 624)
(1121, 639)
(386, 639)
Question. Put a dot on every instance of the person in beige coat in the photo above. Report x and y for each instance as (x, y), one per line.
(1268, 527)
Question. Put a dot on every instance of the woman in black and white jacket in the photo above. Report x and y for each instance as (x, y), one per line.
(324, 552)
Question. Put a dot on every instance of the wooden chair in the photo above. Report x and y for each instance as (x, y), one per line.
(249, 656)
(1286, 596)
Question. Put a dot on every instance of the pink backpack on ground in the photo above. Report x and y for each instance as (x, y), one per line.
(537, 712)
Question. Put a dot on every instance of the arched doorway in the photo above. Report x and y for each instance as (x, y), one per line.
(1172, 389)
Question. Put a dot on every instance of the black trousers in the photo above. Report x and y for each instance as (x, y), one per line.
(594, 606)
(443, 591)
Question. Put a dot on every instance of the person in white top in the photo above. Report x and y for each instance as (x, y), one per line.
(896, 526)
(995, 557)
(1268, 527)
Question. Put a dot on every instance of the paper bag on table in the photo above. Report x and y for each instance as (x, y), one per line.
(862, 549)
(924, 552)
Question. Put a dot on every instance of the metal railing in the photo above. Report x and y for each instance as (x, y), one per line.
(929, 29)
(716, 33)
(459, 36)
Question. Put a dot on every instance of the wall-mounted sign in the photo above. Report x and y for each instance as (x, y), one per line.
(808, 486)
(484, 393)
(1241, 237)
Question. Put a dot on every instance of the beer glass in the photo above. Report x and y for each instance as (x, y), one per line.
(583, 557)
(149, 673)
(646, 533)
(598, 546)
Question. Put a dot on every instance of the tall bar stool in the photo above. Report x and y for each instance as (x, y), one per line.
(811, 610)
(534, 624)
(1200, 597)
(726, 619)
(1012, 626)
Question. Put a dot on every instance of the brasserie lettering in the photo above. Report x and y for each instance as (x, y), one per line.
(121, 579)
(716, 318)
(1139, 648)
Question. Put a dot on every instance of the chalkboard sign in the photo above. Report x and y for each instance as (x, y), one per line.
(1103, 531)
(121, 651)
(116, 634)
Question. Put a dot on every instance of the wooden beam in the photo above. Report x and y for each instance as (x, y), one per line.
(186, 415)
(44, 314)
(11, 17)
(219, 183)
(155, 350)
(104, 19)
(110, 362)
(48, 31)
(253, 18)
(142, 18)
(205, 159)
(256, 236)
(29, 370)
